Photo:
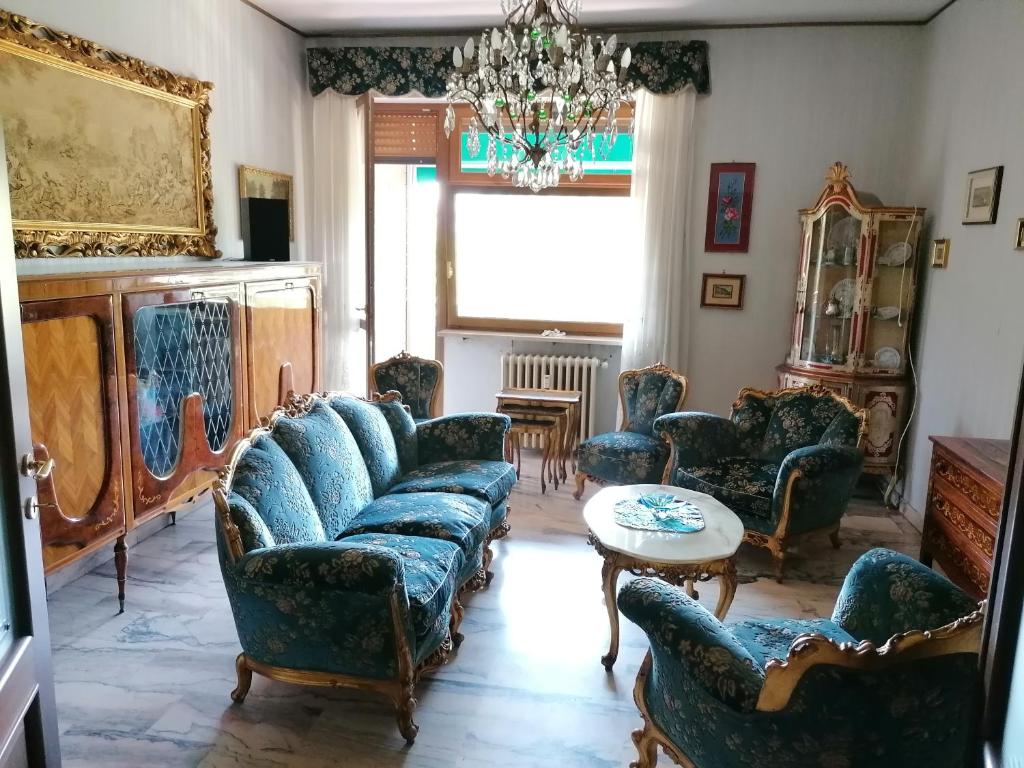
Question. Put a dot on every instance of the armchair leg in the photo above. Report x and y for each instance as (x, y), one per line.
(405, 705)
(646, 747)
(244, 679)
(834, 538)
(581, 480)
(779, 560)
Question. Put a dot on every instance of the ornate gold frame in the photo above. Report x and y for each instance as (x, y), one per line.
(660, 368)
(806, 652)
(401, 689)
(34, 239)
(403, 356)
(244, 170)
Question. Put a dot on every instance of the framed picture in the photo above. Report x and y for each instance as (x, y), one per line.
(981, 198)
(940, 253)
(266, 185)
(730, 204)
(108, 155)
(1019, 242)
(725, 291)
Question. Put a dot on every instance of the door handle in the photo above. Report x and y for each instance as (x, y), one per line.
(37, 470)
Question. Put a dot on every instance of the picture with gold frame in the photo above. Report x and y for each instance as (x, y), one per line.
(131, 178)
(267, 185)
(940, 253)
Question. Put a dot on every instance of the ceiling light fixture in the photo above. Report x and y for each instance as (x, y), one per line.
(545, 92)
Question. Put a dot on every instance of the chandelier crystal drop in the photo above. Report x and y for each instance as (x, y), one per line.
(546, 93)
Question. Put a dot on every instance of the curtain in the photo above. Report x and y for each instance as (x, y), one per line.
(339, 234)
(657, 328)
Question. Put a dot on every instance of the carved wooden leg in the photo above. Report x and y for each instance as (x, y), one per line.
(691, 589)
(581, 480)
(405, 705)
(244, 680)
(544, 466)
(834, 538)
(458, 612)
(646, 748)
(610, 579)
(779, 559)
(174, 517)
(726, 590)
(121, 566)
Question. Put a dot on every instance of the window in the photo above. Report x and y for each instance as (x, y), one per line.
(533, 262)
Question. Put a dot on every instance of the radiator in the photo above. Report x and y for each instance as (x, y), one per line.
(554, 372)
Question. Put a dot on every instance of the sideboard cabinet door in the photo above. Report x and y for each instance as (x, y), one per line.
(282, 319)
(183, 354)
(73, 408)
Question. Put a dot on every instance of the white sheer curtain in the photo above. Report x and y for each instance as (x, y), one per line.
(656, 329)
(339, 234)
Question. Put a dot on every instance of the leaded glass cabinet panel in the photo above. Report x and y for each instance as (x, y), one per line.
(855, 295)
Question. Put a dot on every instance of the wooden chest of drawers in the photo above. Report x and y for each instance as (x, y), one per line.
(965, 493)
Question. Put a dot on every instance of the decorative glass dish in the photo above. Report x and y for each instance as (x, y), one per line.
(662, 512)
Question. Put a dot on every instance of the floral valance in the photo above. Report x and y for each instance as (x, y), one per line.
(660, 67)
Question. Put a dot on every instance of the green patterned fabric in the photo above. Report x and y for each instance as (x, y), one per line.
(415, 380)
(463, 436)
(751, 414)
(743, 484)
(403, 430)
(829, 475)
(623, 458)
(648, 395)
(267, 479)
(375, 438)
(491, 481)
(251, 528)
(660, 67)
(798, 419)
(887, 593)
(699, 438)
(706, 678)
(327, 457)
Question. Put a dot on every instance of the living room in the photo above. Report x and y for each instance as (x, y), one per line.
(722, 295)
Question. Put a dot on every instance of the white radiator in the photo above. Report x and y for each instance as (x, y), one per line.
(560, 372)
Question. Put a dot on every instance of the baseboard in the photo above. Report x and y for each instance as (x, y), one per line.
(912, 516)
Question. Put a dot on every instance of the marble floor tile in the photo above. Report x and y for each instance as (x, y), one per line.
(150, 687)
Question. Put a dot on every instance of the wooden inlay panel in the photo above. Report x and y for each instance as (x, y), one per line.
(281, 330)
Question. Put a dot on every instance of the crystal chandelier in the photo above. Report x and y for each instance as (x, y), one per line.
(541, 89)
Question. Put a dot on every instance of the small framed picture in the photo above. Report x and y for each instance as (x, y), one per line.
(725, 291)
(1019, 242)
(981, 198)
(940, 253)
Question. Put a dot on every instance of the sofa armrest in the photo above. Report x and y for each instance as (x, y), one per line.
(463, 437)
(697, 438)
(332, 565)
(822, 490)
(887, 593)
(685, 637)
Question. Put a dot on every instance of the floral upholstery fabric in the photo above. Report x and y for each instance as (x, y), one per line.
(623, 458)
(327, 457)
(462, 520)
(463, 436)
(491, 481)
(829, 475)
(647, 396)
(699, 438)
(743, 484)
(251, 528)
(499, 513)
(403, 430)
(266, 478)
(375, 438)
(705, 680)
(751, 414)
(798, 419)
(887, 593)
(417, 381)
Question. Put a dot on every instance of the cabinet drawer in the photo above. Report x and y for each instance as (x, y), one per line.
(985, 499)
(960, 521)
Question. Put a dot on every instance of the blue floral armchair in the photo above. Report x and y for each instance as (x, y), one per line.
(785, 462)
(889, 681)
(636, 453)
(417, 379)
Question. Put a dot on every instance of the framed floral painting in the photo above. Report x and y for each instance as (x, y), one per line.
(730, 204)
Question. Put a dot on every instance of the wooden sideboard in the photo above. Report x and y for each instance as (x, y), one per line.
(140, 383)
(965, 493)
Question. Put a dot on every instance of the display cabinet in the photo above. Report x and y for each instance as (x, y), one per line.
(854, 301)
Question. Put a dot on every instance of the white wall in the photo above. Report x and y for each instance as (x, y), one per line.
(261, 109)
(971, 332)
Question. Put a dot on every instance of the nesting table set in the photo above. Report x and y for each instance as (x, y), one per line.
(553, 415)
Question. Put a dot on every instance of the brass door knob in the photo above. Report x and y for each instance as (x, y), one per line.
(38, 470)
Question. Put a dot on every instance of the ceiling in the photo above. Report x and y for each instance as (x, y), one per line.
(354, 17)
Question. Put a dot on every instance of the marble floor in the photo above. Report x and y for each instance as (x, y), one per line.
(150, 687)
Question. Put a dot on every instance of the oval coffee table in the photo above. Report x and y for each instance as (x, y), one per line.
(678, 558)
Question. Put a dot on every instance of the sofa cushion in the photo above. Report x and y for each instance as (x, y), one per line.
(460, 519)
(324, 452)
(488, 480)
(623, 457)
(266, 478)
(403, 430)
(743, 484)
(766, 639)
(799, 419)
(432, 568)
(251, 529)
(375, 439)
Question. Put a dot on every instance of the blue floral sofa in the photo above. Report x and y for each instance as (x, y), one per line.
(889, 681)
(636, 453)
(419, 381)
(786, 462)
(346, 534)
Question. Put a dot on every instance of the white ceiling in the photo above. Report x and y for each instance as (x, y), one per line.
(318, 17)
